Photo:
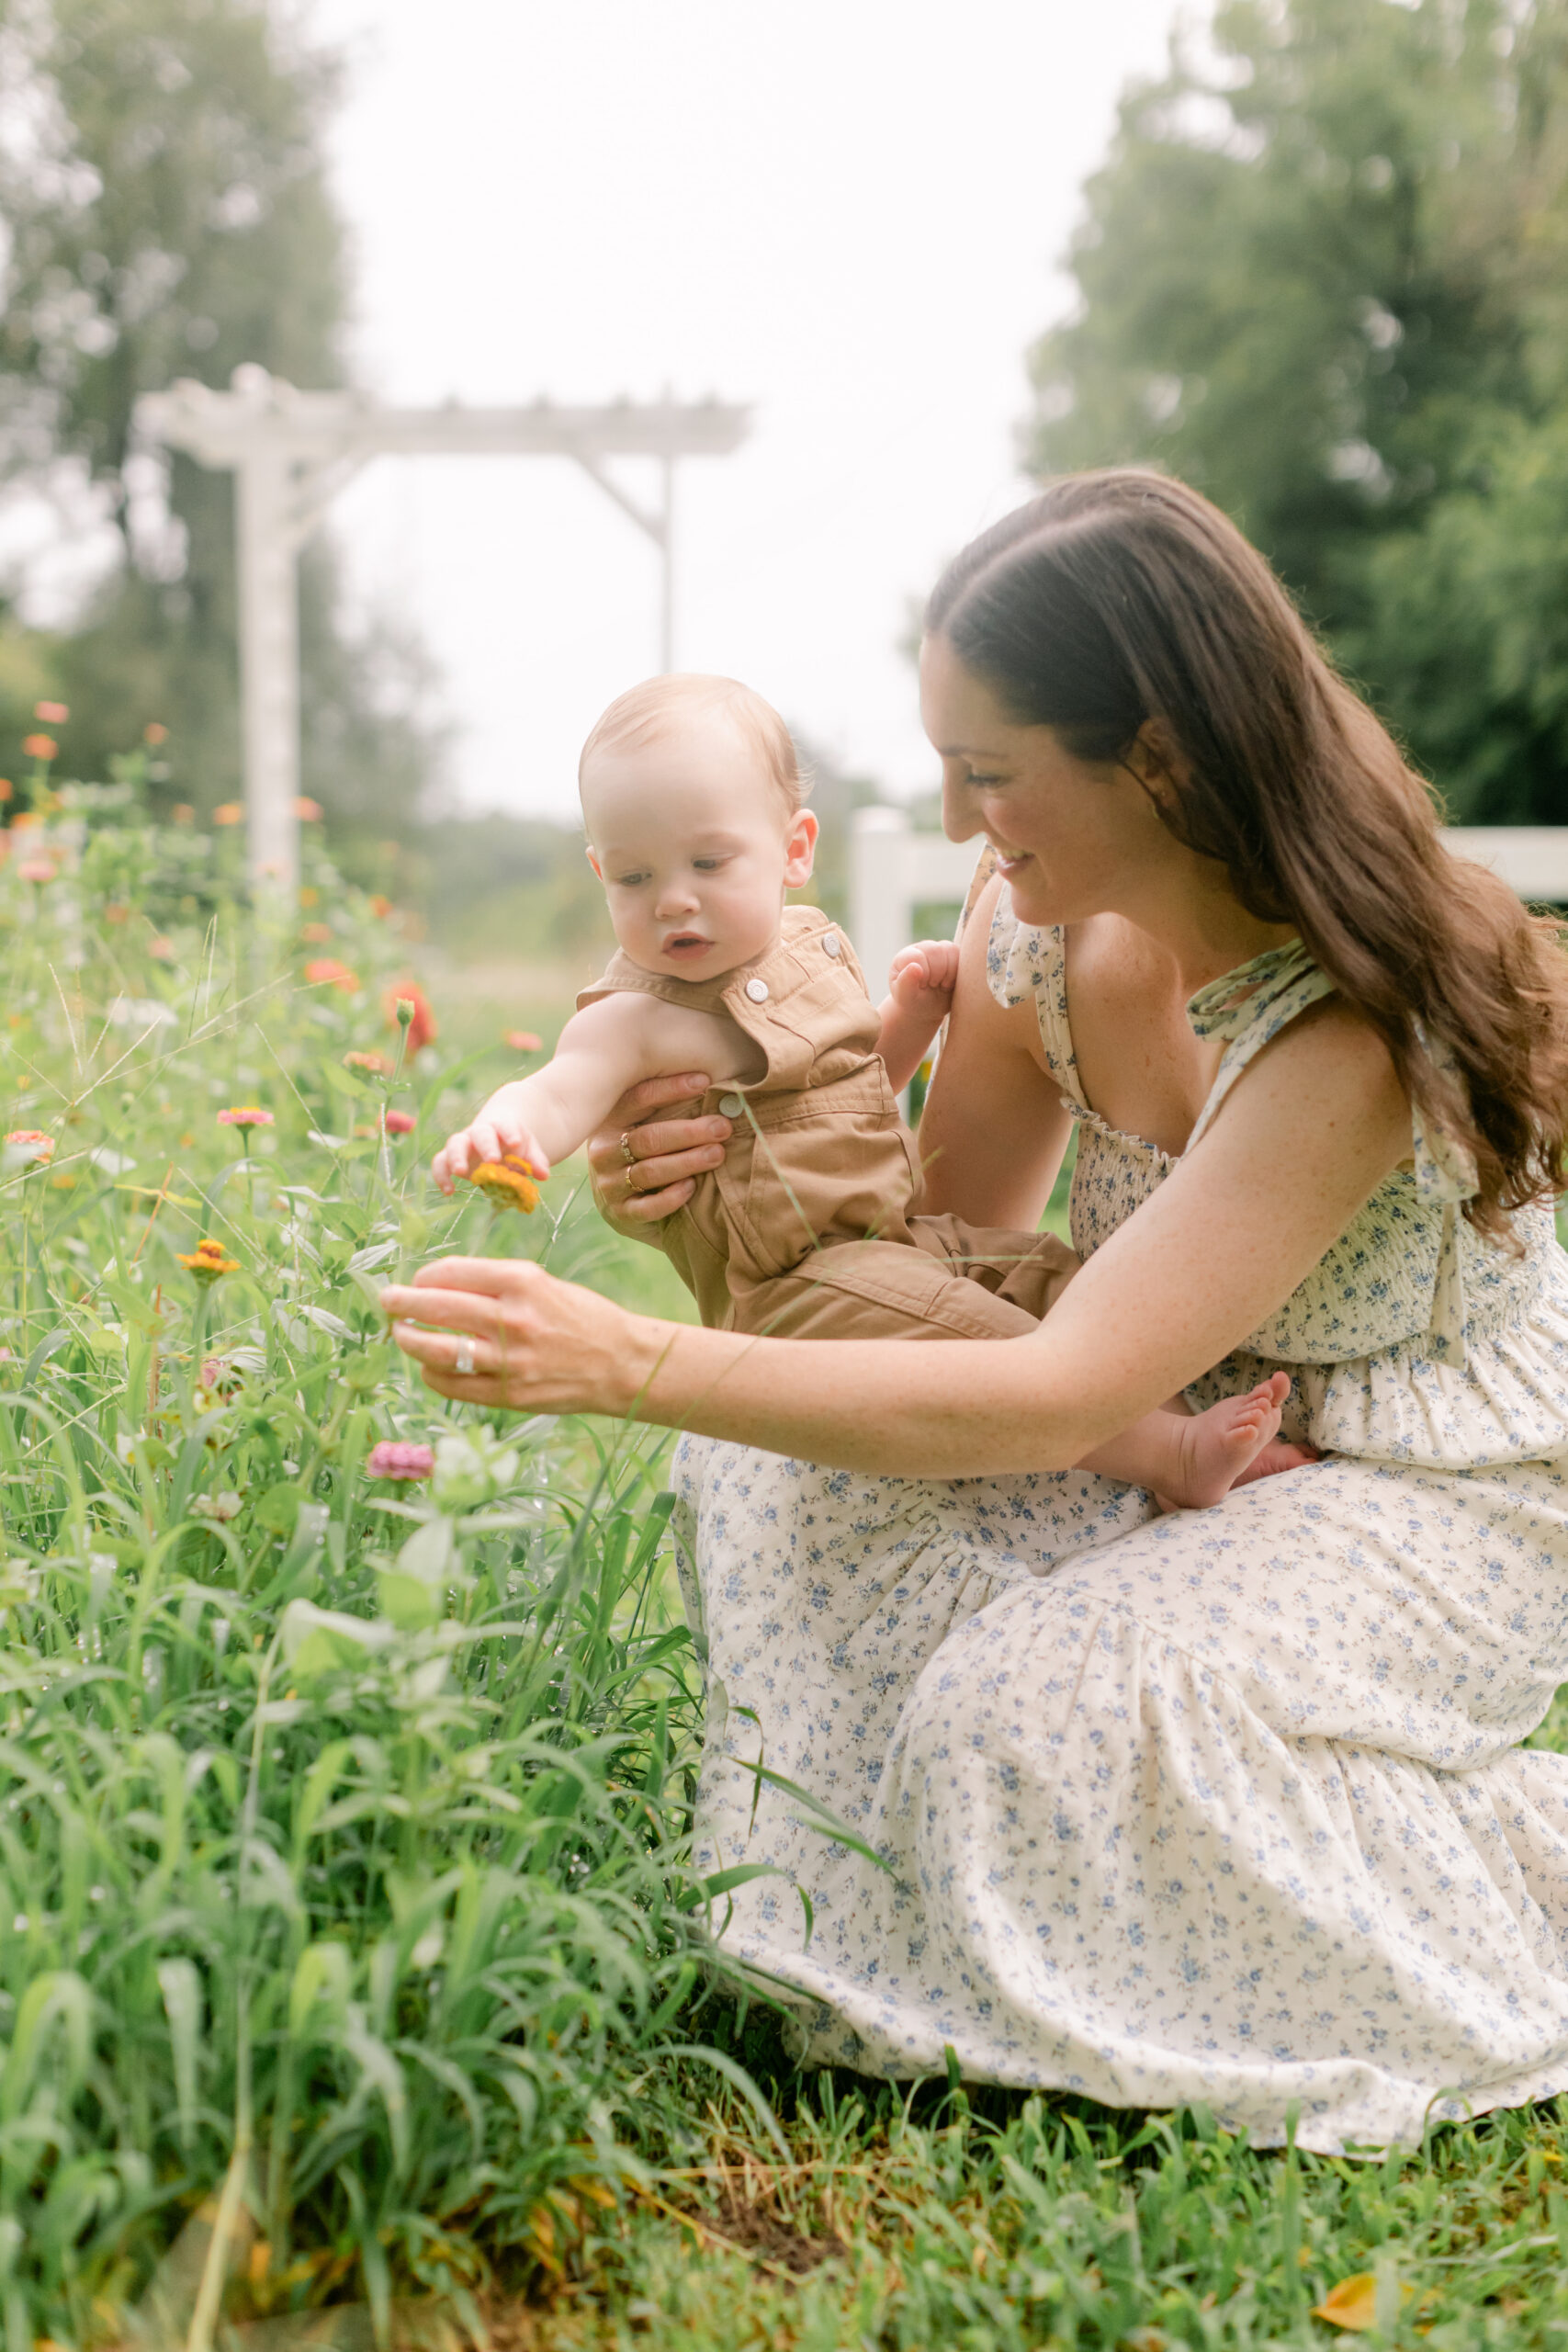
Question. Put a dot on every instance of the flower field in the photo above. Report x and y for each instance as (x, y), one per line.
(346, 1743)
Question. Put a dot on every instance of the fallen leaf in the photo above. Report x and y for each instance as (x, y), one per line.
(1353, 2304)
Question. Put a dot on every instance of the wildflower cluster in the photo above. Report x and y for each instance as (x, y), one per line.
(329, 1798)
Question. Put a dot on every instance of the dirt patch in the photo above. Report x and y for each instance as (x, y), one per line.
(760, 2230)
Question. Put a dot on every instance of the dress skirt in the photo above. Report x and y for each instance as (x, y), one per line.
(1228, 1807)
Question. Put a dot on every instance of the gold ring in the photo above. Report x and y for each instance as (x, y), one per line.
(628, 1154)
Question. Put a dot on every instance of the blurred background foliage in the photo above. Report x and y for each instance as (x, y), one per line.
(1321, 274)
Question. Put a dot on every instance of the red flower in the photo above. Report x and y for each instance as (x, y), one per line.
(230, 812)
(32, 1142)
(376, 1064)
(309, 811)
(326, 972)
(422, 1028)
(245, 1114)
(53, 714)
(40, 747)
(37, 869)
(522, 1041)
(154, 734)
(380, 906)
(399, 1123)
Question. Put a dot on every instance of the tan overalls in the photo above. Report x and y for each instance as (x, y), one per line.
(805, 1230)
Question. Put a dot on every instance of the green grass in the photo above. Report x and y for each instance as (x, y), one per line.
(345, 1882)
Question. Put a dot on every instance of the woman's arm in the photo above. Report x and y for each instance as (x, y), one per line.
(993, 1131)
(1305, 1135)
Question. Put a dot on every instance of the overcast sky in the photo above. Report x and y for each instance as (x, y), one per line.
(845, 212)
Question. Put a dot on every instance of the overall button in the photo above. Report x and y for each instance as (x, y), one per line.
(731, 1106)
(831, 944)
(757, 991)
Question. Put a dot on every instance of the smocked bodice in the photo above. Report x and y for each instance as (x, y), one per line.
(1414, 1335)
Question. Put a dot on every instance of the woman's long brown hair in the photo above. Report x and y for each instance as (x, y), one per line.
(1122, 597)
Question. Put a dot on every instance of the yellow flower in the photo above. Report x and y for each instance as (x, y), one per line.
(507, 1183)
(208, 1261)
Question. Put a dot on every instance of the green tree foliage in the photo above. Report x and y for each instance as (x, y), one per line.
(1322, 277)
(162, 186)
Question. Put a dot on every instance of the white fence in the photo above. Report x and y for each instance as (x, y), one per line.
(892, 870)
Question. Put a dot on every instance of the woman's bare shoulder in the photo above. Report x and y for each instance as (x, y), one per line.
(1328, 1065)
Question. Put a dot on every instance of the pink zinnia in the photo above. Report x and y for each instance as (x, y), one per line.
(37, 869)
(392, 1459)
(245, 1114)
(399, 1122)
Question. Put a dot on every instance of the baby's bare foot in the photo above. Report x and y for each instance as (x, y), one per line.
(1235, 1441)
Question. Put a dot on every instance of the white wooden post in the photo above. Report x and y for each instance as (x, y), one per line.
(269, 669)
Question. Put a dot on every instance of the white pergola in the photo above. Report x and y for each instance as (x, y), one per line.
(291, 452)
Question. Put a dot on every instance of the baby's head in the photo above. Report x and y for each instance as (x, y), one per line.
(691, 798)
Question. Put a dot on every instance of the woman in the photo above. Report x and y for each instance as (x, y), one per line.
(1226, 1806)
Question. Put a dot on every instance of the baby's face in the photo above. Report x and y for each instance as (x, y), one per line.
(695, 848)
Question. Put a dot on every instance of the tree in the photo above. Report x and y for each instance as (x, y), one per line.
(1322, 277)
(162, 184)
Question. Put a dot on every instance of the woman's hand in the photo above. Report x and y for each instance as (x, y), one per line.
(535, 1344)
(643, 1168)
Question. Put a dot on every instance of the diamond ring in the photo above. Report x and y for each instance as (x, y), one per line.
(628, 1154)
(464, 1360)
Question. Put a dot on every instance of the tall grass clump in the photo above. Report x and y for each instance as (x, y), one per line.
(343, 1882)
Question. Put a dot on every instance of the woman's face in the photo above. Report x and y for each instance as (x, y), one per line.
(1074, 837)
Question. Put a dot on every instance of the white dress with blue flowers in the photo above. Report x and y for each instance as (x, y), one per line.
(1228, 1807)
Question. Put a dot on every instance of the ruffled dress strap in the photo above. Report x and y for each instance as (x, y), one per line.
(1024, 962)
(1250, 1006)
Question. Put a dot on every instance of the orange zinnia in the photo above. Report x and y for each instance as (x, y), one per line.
(40, 747)
(507, 1183)
(230, 813)
(208, 1261)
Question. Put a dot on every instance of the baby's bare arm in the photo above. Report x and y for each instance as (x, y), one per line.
(602, 1050)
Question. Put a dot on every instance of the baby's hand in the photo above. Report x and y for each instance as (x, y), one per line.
(923, 978)
(497, 1131)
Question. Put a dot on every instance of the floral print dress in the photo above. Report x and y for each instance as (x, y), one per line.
(1224, 1807)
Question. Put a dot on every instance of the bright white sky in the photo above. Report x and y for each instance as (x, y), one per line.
(846, 212)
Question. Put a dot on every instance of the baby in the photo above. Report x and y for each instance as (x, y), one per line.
(691, 801)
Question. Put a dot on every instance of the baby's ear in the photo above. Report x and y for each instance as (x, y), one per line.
(593, 861)
(800, 848)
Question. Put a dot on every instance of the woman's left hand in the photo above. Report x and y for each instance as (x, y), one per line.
(535, 1344)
